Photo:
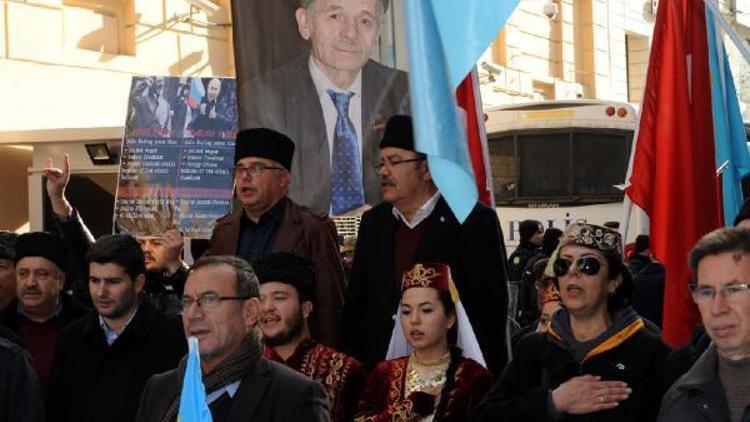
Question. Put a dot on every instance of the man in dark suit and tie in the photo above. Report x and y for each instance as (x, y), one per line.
(333, 103)
(415, 224)
(221, 307)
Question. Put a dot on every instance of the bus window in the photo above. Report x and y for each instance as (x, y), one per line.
(599, 162)
(545, 165)
(503, 164)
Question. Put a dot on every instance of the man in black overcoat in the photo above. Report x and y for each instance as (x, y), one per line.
(415, 224)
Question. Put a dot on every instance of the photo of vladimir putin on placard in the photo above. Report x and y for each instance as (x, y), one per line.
(333, 102)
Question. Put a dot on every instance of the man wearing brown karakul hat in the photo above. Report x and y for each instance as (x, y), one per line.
(268, 222)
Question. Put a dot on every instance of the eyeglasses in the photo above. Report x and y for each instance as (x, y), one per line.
(253, 170)
(702, 294)
(587, 265)
(391, 162)
(208, 300)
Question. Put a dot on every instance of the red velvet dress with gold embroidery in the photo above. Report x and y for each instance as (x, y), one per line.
(342, 376)
(384, 397)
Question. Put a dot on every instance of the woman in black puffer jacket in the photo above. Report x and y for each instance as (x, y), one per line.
(597, 361)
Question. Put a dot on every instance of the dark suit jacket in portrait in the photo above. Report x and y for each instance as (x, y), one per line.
(269, 392)
(475, 252)
(287, 101)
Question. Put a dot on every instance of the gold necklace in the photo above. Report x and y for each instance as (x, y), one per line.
(426, 377)
(435, 362)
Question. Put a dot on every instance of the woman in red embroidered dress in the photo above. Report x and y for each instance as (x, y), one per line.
(431, 381)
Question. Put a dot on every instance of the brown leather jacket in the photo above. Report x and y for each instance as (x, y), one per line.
(306, 234)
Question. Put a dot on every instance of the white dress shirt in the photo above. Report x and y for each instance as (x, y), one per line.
(422, 213)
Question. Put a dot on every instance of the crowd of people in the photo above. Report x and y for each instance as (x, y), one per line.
(425, 320)
(415, 332)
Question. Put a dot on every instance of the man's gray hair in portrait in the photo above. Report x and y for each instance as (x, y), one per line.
(383, 3)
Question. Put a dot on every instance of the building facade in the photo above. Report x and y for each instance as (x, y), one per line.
(591, 49)
(65, 70)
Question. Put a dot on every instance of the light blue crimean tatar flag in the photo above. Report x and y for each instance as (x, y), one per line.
(193, 407)
(729, 130)
(446, 38)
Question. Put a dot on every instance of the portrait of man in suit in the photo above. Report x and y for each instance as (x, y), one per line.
(333, 101)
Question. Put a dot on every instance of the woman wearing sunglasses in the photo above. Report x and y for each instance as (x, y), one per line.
(596, 361)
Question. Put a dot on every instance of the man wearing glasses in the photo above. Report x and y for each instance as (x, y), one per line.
(717, 387)
(268, 221)
(220, 308)
(415, 224)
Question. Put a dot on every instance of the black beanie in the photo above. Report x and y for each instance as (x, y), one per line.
(399, 133)
(42, 244)
(8, 245)
(288, 268)
(264, 143)
(527, 229)
(551, 239)
(641, 243)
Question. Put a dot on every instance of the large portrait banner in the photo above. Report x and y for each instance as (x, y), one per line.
(177, 155)
(326, 74)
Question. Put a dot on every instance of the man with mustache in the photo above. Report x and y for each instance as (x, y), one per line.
(221, 310)
(414, 223)
(268, 221)
(165, 270)
(717, 387)
(332, 102)
(287, 289)
(102, 362)
(41, 310)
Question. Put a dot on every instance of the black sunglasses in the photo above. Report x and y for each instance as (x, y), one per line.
(587, 265)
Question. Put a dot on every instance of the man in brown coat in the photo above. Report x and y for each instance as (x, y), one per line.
(270, 222)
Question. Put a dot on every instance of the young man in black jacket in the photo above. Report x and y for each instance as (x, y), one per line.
(102, 362)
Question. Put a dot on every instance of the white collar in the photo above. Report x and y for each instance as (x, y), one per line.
(322, 83)
(422, 213)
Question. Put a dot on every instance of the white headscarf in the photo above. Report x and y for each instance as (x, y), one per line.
(466, 340)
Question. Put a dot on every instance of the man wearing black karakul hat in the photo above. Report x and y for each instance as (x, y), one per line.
(41, 310)
(415, 224)
(270, 222)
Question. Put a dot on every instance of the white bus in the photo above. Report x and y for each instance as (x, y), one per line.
(559, 161)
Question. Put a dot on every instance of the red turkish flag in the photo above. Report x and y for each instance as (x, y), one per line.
(674, 168)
